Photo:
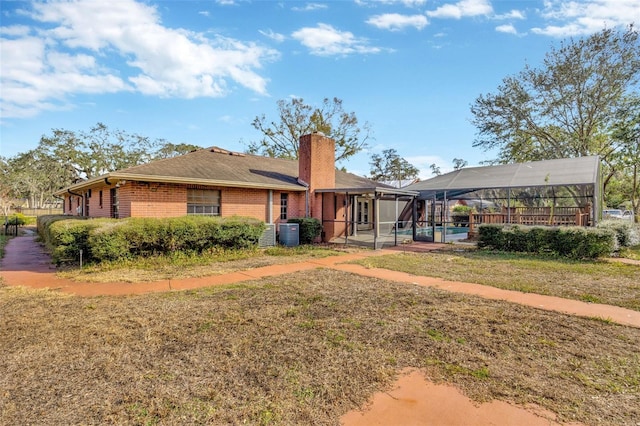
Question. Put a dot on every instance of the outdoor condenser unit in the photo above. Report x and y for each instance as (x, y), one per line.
(290, 234)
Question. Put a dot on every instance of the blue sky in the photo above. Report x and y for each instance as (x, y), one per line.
(200, 71)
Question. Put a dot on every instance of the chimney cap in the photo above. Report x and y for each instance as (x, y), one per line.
(318, 133)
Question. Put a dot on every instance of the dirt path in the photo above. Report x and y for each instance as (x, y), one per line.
(413, 401)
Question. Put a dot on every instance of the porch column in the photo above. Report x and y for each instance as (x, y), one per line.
(355, 215)
(376, 215)
(395, 227)
(346, 219)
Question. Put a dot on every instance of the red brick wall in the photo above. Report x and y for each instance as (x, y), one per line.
(141, 199)
(333, 215)
(244, 202)
(75, 202)
(138, 199)
(95, 209)
(316, 167)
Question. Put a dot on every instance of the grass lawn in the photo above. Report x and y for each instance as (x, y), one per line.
(195, 265)
(590, 281)
(299, 349)
(631, 253)
(3, 242)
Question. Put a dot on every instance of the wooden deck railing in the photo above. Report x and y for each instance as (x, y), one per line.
(538, 216)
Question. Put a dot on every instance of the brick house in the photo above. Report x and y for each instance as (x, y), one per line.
(214, 181)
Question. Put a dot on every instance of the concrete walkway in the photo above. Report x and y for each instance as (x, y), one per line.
(26, 264)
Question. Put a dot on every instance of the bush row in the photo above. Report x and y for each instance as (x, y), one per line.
(19, 219)
(572, 242)
(310, 228)
(113, 239)
(627, 233)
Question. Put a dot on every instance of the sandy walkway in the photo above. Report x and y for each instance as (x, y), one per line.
(413, 401)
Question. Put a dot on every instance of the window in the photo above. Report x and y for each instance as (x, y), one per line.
(100, 199)
(284, 203)
(203, 202)
(115, 206)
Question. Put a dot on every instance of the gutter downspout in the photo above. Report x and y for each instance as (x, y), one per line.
(306, 197)
(81, 204)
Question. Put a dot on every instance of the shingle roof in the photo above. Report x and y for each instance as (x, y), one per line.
(216, 166)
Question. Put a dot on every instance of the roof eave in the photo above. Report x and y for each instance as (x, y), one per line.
(178, 180)
(380, 190)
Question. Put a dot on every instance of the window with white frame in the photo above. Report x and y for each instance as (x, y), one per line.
(203, 202)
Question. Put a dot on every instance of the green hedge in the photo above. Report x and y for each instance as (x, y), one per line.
(310, 228)
(113, 239)
(572, 242)
(627, 232)
(18, 219)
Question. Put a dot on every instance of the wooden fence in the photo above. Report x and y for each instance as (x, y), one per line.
(36, 212)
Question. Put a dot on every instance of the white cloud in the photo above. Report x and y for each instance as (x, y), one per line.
(407, 3)
(15, 30)
(310, 7)
(395, 21)
(507, 28)
(514, 14)
(35, 79)
(273, 35)
(204, 13)
(67, 57)
(462, 9)
(324, 40)
(587, 16)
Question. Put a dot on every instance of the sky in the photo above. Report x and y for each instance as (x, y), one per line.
(199, 72)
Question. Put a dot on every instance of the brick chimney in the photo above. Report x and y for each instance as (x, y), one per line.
(317, 168)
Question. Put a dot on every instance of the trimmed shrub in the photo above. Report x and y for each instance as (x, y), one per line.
(113, 239)
(68, 237)
(490, 236)
(109, 242)
(310, 228)
(573, 242)
(627, 233)
(17, 219)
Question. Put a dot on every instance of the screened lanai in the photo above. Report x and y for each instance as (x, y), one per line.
(550, 192)
(373, 217)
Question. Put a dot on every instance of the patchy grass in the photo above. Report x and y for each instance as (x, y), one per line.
(3, 242)
(631, 253)
(4, 239)
(181, 265)
(610, 283)
(300, 349)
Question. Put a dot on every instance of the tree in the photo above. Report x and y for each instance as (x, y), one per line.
(86, 155)
(281, 138)
(33, 176)
(170, 150)
(626, 172)
(98, 151)
(459, 163)
(391, 167)
(568, 107)
(66, 157)
(5, 188)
